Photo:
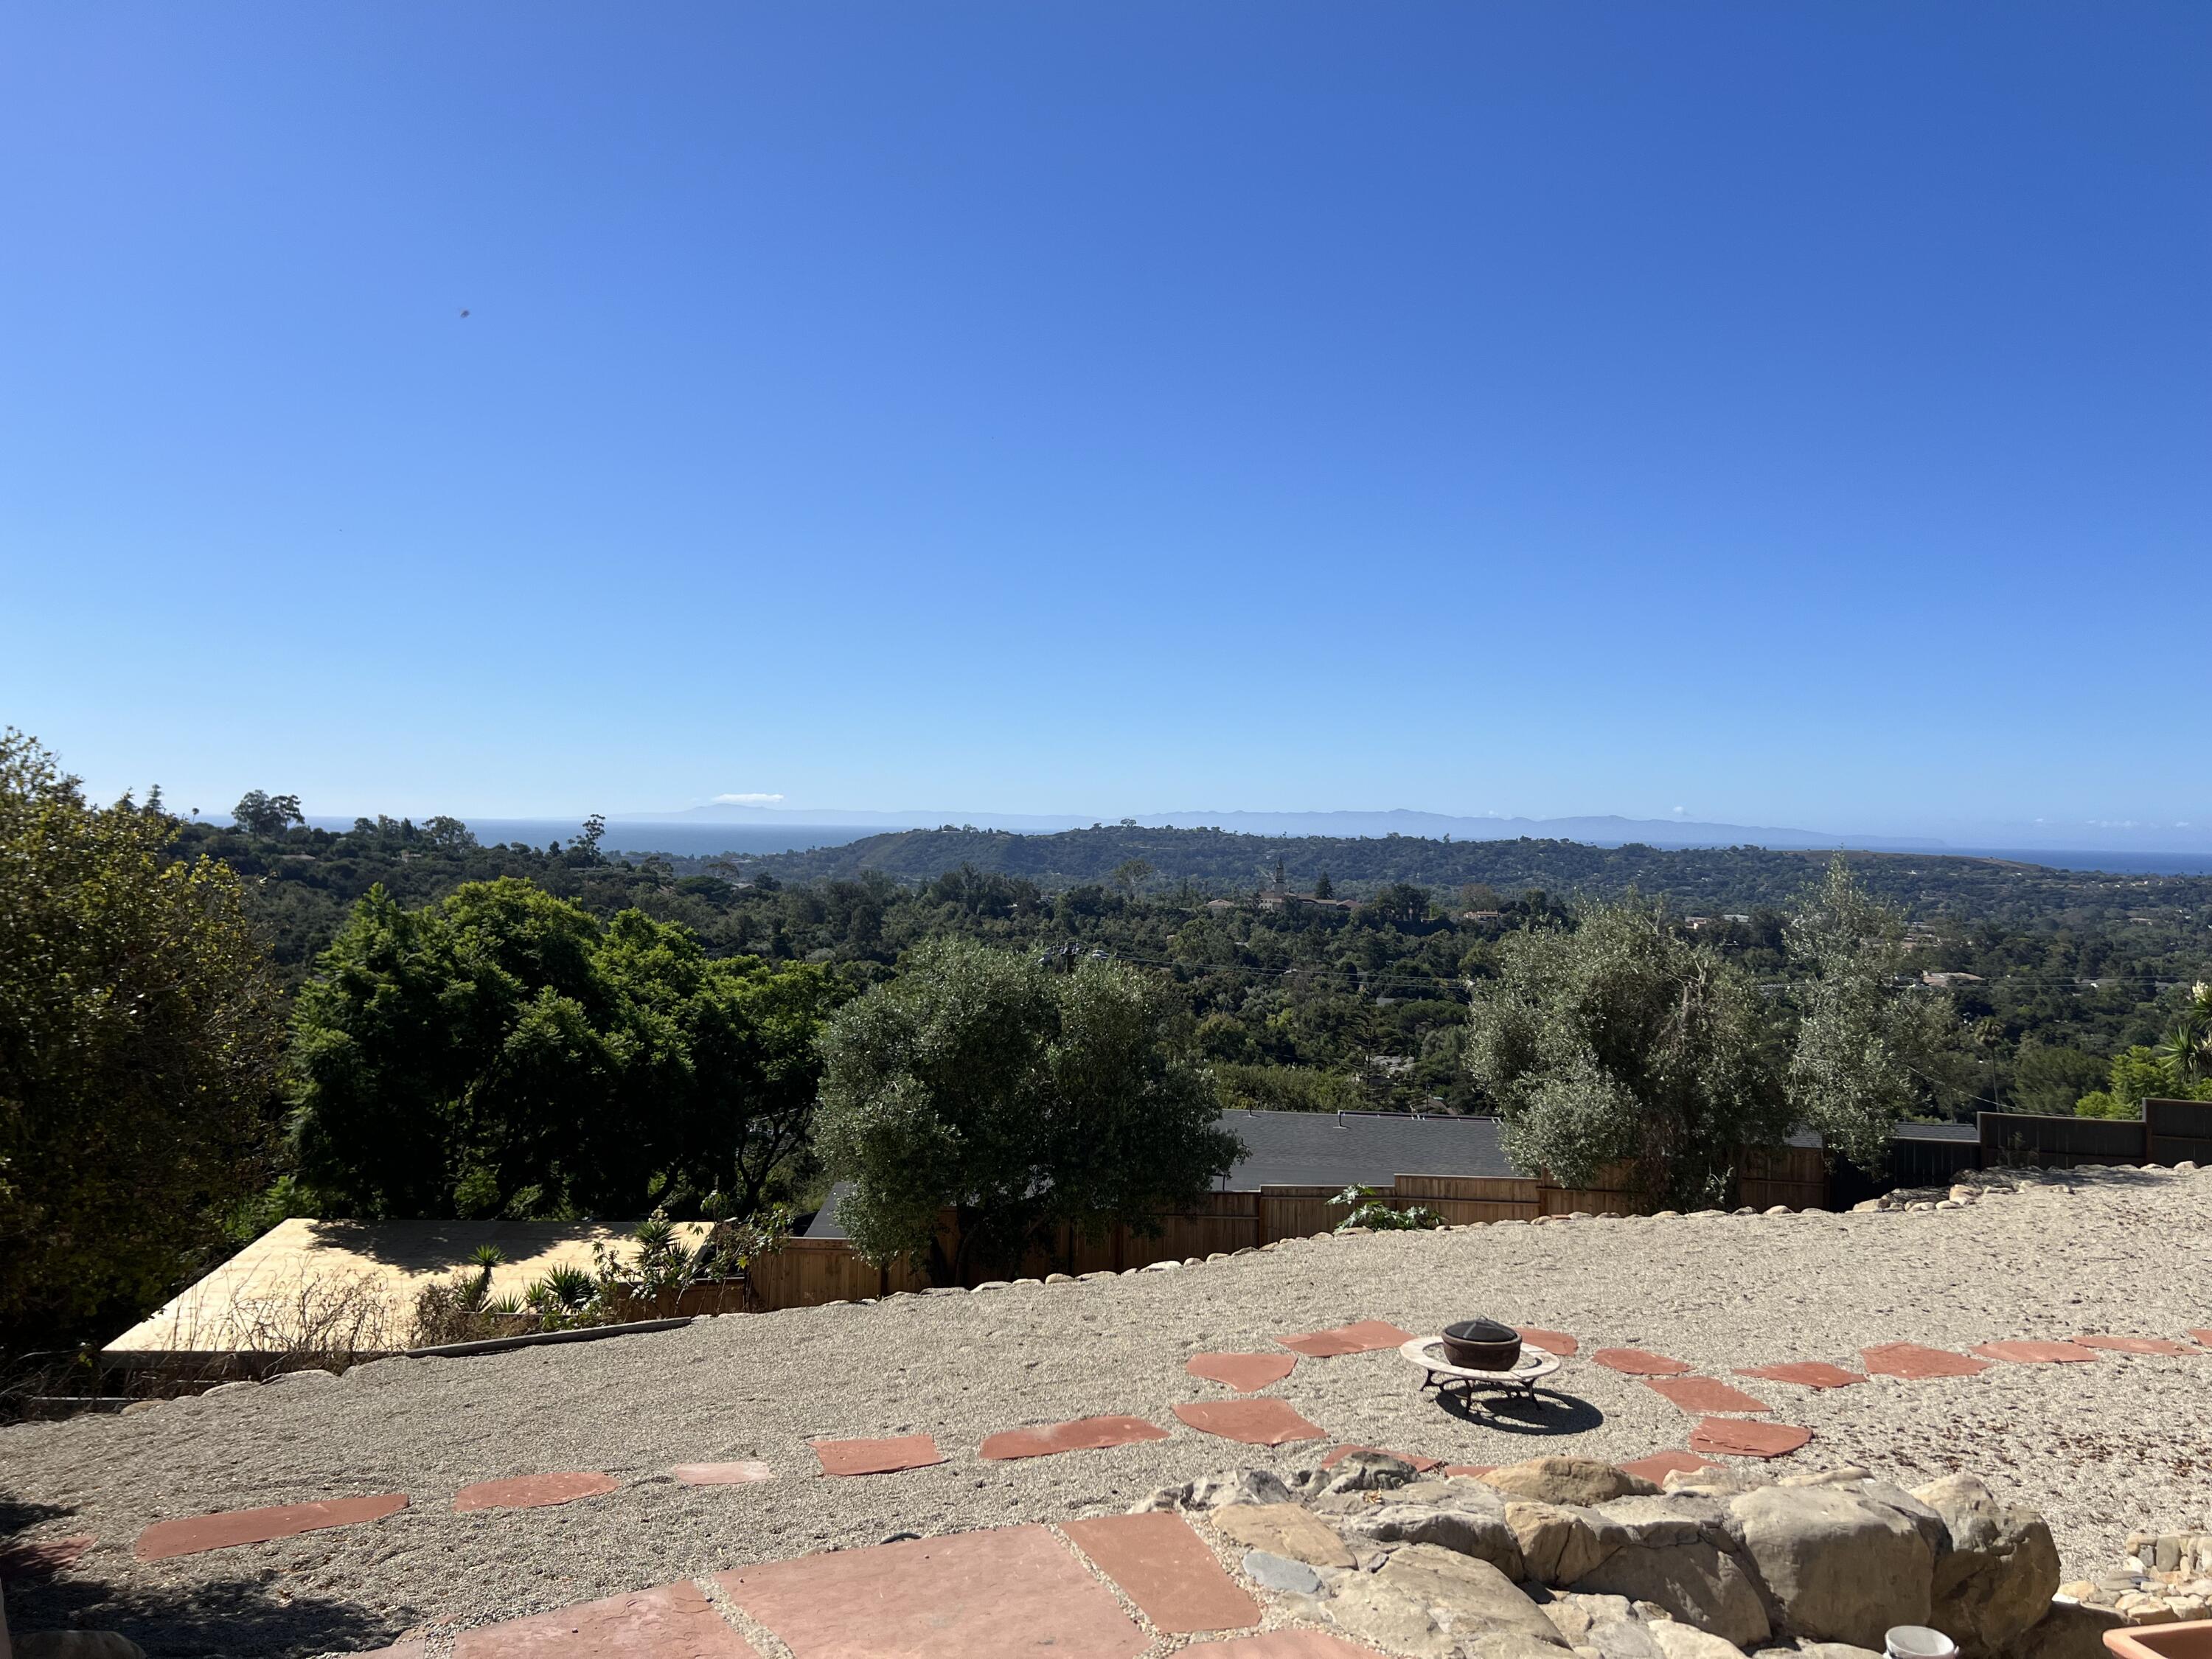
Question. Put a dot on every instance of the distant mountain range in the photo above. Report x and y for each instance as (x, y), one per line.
(1607, 831)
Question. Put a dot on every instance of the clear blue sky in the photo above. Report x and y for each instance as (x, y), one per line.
(1791, 413)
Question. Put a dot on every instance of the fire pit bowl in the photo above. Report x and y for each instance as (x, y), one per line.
(1482, 1344)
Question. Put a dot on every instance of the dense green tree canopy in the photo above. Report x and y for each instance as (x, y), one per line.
(141, 1038)
(981, 1081)
(503, 1052)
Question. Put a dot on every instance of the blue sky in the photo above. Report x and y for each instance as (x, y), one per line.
(1792, 414)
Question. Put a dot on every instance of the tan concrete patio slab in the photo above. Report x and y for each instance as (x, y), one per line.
(1167, 1570)
(1558, 1342)
(1657, 1466)
(1362, 1336)
(1008, 1590)
(1242, 1371)
(534, 1492)
(1638, 1362)
(1806, 1373)
(905, 1451)
(2153, 1344)
(1084, 1434)
(2036, 1353)
(1915, 1364)
(1261, 1422)
(1732, 1437)
(673, 1622)
(720, 1474)
(167, 1539)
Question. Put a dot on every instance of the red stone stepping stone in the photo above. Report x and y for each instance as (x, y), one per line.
(45, 1557)
(1806, 1373)
(1558, 1342)
(1915, 1364)
(1366, 1336)
(165, 1538)
(905, 1451)
(1657, 1467)
(1012, 1589)
(1242, 1371)
(1732, 1437)
(1262, 1422)
(1419, 1461)
(1281, 1644)
(1086, 1434)
(1476, 1470)
(1167, 1570)
(2035, 1353)
(721, 1475)
(1704, 1394)
(2165, 1344)
(2205, 1337)
(672, 1622)
(534, 1492)
(1634, 1362)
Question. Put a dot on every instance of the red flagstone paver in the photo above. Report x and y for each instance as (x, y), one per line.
(1419, 1461)
(165, 1538)
(1168, 1570)
(534, 1492)
(2165, 1344)
(1634, 1362)
(1086, 1434)
(2035, 1353)
(2205, 1337)
(1364, 1336)
(1475, 1469)
(1734, 1438)
(905, 1451)
(1012, 1589)
(1242, 1371)
(1558, 1342)
(44, 1559)
(721, 1475)
(1915, 1364)
(1262, 1422)
(672, 1622)
(1282, 1644)
(1657, 1466)
(1806, 1373)
(1704, 1394)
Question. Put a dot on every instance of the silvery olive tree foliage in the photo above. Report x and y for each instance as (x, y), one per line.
(1866, 1050)
(1020, 1098)
(1621, 1040)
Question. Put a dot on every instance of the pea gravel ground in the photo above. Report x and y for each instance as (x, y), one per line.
(2102, 1449)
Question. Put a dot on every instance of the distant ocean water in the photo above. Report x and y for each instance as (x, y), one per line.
(705, 840)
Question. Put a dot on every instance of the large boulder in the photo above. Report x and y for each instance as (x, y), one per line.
(1437, 1604)
(78, 1645)
(1680, 1641)
(1284, 1529)
(1605, 1627)
(1697, 1582)
(1581, 1480)
(1561, 1543)
(1464, 1532)
(2068, 1630)
(1837, 1568)
(1995, 1581)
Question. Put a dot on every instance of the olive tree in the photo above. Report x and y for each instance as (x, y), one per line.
(1020, 1098)
(1622, 1040)
(140, 1041)
(1866, 1055)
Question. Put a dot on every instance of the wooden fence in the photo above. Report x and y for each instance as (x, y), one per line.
(2168, 1132)
(807, 1272)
